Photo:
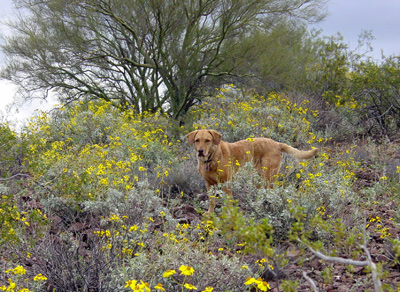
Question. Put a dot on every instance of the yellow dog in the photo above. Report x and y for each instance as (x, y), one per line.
(218, 160)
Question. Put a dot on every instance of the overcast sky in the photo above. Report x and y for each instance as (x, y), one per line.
(349, 17)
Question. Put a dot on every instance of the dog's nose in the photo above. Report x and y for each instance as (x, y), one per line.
(201, 152)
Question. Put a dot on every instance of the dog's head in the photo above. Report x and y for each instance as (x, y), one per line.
(205, 141)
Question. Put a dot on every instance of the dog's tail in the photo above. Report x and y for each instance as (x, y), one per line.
(298, 153)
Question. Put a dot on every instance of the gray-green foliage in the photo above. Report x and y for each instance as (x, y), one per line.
(303, 185)
(224, 271)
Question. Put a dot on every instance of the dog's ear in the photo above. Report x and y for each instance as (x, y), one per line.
(216, 137)
(190, 137)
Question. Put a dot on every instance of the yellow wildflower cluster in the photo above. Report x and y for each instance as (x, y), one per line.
(379, 227)
(348, 103)
(115, 149)
(14, 220)
(258, 283)
(270, 116)
(124, 239)
(145, 287)
(13, 285)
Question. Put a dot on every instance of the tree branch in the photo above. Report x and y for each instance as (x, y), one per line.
(310, 281)
(366, 263)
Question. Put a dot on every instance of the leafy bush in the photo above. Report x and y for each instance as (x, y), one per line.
(273, 116)
(109, 201)
(12, 150)
(377, 87)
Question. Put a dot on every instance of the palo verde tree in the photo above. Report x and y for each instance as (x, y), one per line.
(145, 54)
(377, 89)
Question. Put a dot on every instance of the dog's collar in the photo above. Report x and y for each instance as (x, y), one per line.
(206, 162)
(209, 158)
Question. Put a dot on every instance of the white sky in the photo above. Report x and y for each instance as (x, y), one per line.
(349, 17)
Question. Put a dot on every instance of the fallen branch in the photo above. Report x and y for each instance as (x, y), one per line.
(339, 260)
(15, 176)
(310, 281)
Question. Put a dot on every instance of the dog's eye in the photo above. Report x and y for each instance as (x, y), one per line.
(208, 140)
(197, 140)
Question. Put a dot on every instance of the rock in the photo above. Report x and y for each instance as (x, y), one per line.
(185, 214)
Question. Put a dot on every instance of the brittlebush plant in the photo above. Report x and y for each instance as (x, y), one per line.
(239, 115)
(114, 149)
(108, 182)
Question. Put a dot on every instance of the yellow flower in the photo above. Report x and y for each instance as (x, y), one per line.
(19, 270)
(144, 286)
(131, 284)
(141, 168)
(136, 287)
(114, 217)
(250, 281)
(190, 287)
(262, 285)
(39, 277)
(159, 287)
(186, 270)
(208, 289)
(168, 273)
(133, 228)
(11, 285)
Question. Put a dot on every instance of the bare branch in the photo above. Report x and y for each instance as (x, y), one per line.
(338, 260)
(310, 281)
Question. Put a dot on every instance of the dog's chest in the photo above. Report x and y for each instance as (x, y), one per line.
(205, 168)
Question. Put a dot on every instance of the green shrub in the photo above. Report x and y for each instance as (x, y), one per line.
(239, 115)
(105, 189)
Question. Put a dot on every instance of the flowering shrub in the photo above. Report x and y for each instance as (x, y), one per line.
(10, 151)
(17, 279)
(108, 190)
(273, 116)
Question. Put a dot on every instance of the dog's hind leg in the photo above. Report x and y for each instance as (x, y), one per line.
(270, 168)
